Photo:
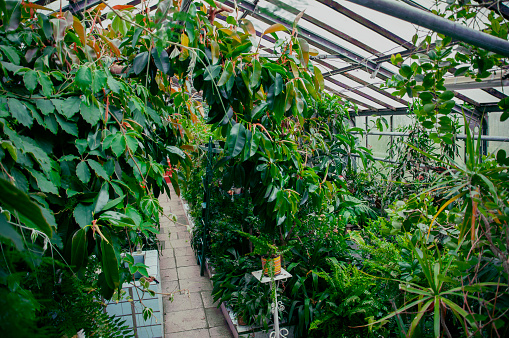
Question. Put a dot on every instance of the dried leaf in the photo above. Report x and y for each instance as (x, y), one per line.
(78, 27)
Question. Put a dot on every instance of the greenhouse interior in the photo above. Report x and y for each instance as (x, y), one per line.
(264, 168)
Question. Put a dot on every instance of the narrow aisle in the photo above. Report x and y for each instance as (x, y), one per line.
(192, 312)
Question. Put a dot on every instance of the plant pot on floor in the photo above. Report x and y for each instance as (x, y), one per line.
(271, 264)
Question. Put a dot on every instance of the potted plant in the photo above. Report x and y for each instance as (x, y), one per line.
(269, 252)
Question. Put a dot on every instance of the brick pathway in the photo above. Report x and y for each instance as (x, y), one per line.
(192, 312)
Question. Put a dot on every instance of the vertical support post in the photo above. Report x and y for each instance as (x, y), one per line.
(484, 132)
(275, 307)
(206, 211)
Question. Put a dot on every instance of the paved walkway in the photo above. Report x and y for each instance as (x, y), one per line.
(192, 312)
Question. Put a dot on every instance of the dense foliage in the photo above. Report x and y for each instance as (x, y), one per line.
(92, 117)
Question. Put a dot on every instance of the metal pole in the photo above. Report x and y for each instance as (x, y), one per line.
(459, 137)
(276, 310)
(208, 179)
(437, 24)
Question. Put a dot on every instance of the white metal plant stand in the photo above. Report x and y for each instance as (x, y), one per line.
(276, 305)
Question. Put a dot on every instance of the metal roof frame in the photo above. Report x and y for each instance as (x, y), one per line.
(372, 65)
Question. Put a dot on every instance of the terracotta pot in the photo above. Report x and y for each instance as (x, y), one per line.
(240, 320)
(271, 262)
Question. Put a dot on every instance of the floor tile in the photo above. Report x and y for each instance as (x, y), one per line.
(185, 320)
(187, 261)
(220, 332)
(215, 317)
(186, 301)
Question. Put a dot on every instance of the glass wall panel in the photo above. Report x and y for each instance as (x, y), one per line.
(497, 128)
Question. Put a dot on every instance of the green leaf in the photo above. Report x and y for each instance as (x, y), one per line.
(83, 78)
(8, 232)
(14, 153)
(236, 139)
(83, 172)
(68, 107)
(132, 142)
(44, 184)
(83, 214)
(20, 112)
(447, 95)
(102, 198)
(140, 62)
(162, 61)
(113, 203)
(79, 248)
(258, 111)
(14, 199)
(256, 74)
(45, 106)
(177, 151)
(278, 84)
(98, 168)
(81, 145)
(118, 144)
(51, 123)
(109, 265)
(30, 79)
(11, 54)
(114, 85)
(68, 127)
(319, 83)
(90, 112)
(227, 73)
(99, 80)
(117, 219)
(46, 84)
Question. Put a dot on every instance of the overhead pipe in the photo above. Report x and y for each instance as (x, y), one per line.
(437, 24)
(459, 137)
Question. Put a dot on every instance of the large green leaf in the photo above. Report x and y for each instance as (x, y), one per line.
(118, 144)
(102, 198)
(83, 214)
(83, 78)
(98, 80)
(67, 107)
(227, 73)
(90, 112)
(11, 54)
(98, 168)
(83, 172)
(68, 127)
(236, 139)
(109, 264)
(20, 112)
(256, 74)
(30, 79)
(79, 248)
(117, 219)
(45, 106)
(14, 199)
(44, 184)
(140, 62)
(8, 232)
(46, 84)
(161, 60)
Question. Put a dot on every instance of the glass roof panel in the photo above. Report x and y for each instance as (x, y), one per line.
(354, 96)
(366, 90)
(478, 95)
(399, 27)
(503, 90)
(343, 23)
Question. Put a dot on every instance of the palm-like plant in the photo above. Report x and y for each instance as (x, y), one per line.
(438, 297)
